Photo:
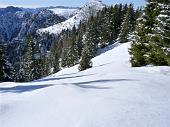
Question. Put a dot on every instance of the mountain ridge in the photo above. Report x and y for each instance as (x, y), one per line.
(89, 9)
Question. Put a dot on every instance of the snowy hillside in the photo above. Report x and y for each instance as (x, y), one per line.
(111, 94)
(17, 23)
(65, 12)
(92, 7)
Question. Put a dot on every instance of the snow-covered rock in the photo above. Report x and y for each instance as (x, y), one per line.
(92, 7)
(111, 94)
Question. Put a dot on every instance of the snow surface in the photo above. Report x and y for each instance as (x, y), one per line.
(83, 14)
(111, 94)
(66, 12)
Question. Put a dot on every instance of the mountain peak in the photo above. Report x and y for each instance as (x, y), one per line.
(89, 9)
(95, 1)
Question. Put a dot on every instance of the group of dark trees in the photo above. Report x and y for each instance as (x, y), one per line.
(151, 38)
(106, 27)
(6, 69)
(148, 29)
(71, 47)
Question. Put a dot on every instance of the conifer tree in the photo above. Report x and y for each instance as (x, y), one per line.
(32, 62)
(160, 40)
(56, 63)
(6, 69)
(55, 56)
(85, 62)
(140, 48)
(73, 52)
(90, 47)
(64, 57)
(127, 25)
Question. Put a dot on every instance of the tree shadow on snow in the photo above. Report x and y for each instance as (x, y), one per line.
(21, 89)
(61, 78)
(89, 84)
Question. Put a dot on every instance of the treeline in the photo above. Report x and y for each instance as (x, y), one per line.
(79, 45)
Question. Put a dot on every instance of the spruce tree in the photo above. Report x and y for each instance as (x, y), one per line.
(33, 62)
(64, 57)
(160, 39)
(85, 62)
(140, 48)
(90, 41)
(73, 52)
(127, 25)
(6, 69)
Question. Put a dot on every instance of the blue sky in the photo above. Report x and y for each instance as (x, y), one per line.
(44, 3)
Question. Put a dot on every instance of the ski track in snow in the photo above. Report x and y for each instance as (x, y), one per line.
(111, 94)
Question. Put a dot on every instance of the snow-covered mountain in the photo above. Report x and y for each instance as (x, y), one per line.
(66, 12)
(17, 23)
(111, 94)
(92, 7)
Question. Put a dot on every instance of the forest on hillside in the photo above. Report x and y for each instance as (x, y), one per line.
(147, 28)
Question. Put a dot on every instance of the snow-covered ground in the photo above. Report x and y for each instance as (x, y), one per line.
(66, 12)
(111, 94)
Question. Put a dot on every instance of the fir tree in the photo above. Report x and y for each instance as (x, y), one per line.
(127, 25)
(73, 52)
(90, 48)
(64, 57)
(140, 48)
(161, 37)
(56, 63)
(55, 56)
(85, 62)
(6, 69)
(32, 61)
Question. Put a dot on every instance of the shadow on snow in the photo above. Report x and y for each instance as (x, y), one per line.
(85, 85)
(89, 84)
(21, 89)
(69, 77)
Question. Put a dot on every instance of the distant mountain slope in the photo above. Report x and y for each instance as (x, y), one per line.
(92, 7)
(17, 23)
(65, 12)
(111, 94)
(9, 9)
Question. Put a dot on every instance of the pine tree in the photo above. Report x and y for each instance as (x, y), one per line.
(64, 57)
(85, 62)
(140, 48)
(56, 63)
(127, 25)
(73, 52)
(33, 62)
(90, 48)
(117, 18)
(6, 69)
(105, 27)
(55, 56)
(19, 71)
(161, 38)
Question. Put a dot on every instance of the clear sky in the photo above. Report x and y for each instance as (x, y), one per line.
(75, 3)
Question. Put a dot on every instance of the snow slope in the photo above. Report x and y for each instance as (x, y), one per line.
(111, 94)
(84, 13)
(66, 12)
